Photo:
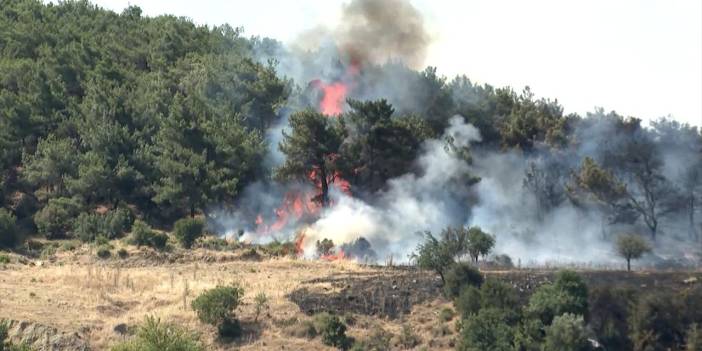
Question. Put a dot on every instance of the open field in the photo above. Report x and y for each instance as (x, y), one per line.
(86, 297)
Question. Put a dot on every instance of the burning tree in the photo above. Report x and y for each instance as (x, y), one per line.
(312, 151)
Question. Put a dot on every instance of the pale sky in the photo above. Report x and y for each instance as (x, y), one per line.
(638, 57)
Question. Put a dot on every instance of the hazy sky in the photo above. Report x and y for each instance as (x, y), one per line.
(638, 57)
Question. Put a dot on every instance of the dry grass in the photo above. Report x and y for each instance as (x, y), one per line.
(89, 296)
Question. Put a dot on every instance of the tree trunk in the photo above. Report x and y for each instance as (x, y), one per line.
(192, 210)
(325, 185)
(628, 265)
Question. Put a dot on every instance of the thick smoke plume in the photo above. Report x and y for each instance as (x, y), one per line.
(380, 31)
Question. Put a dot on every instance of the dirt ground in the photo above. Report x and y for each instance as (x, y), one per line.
(79, 293)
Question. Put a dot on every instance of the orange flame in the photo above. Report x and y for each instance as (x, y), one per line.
(334, 257)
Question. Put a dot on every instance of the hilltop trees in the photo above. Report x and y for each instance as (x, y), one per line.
(631, 246)
(311, 150)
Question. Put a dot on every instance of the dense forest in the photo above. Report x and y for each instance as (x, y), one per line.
(108, 116)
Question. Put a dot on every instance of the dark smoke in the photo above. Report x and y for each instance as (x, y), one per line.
(380, 31)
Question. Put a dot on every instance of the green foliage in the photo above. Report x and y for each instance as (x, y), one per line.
(55, 220)
(479, 243)
(187, 230)
(460, 275)
(153, 335)
(567, 333)
(310, 149)
(122, 253)
(568, 294)
(4, 259)
(143, 235)
(631, 246)
(468, 301)
(325, 247)
(217, 305)
(9, 236)
(88, 226)
(332, 330)
(446, 314)
(301, 329)
(434, 255)
(497, 294)
(489, 329)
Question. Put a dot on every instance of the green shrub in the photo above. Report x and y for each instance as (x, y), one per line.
(567, 333)
(460, 275)
(216, 307)
(143, 235)
(70, 245)
(153, 335)
(55, 220)
(468, 301)
(332, 330)
(4, 259)
(117, 222)
(102, 240)
(260, 303)
(489, 329)
(568, 294)
(280, 249)
(86, 227)
(103, 252)
(9, 237)
(187, 230)
(212, 243)
(122, 253)
(497, 294)
(229, 328)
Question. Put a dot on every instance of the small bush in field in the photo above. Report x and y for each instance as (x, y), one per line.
(103, 252)
(303, 329)
(332, 330)
(187, 230)
(408, 338)
(216, 307)
(446, 314)
(143, 235)
(4, 259)
(154, 335)
(122, 253)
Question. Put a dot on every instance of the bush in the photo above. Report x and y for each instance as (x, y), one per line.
(216, 307)
(154, 335)
(103, 252)
(213, 243)
(324, 247)
(143, 235)
(497, 294)
(122, 253)
(567, 333)
(187, 230)
(333, 331)
(9, 237)
(117, 222)
(86, 227)
(568, 294)
(55, 220)
(490, 329)
(435, 255)
(460, 275)
(4, 259)
(468, 301)
(229, 328)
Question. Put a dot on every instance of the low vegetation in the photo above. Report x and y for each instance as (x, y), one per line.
(155, 335)
(216, 307)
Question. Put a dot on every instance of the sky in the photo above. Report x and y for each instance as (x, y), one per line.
(641, 58)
